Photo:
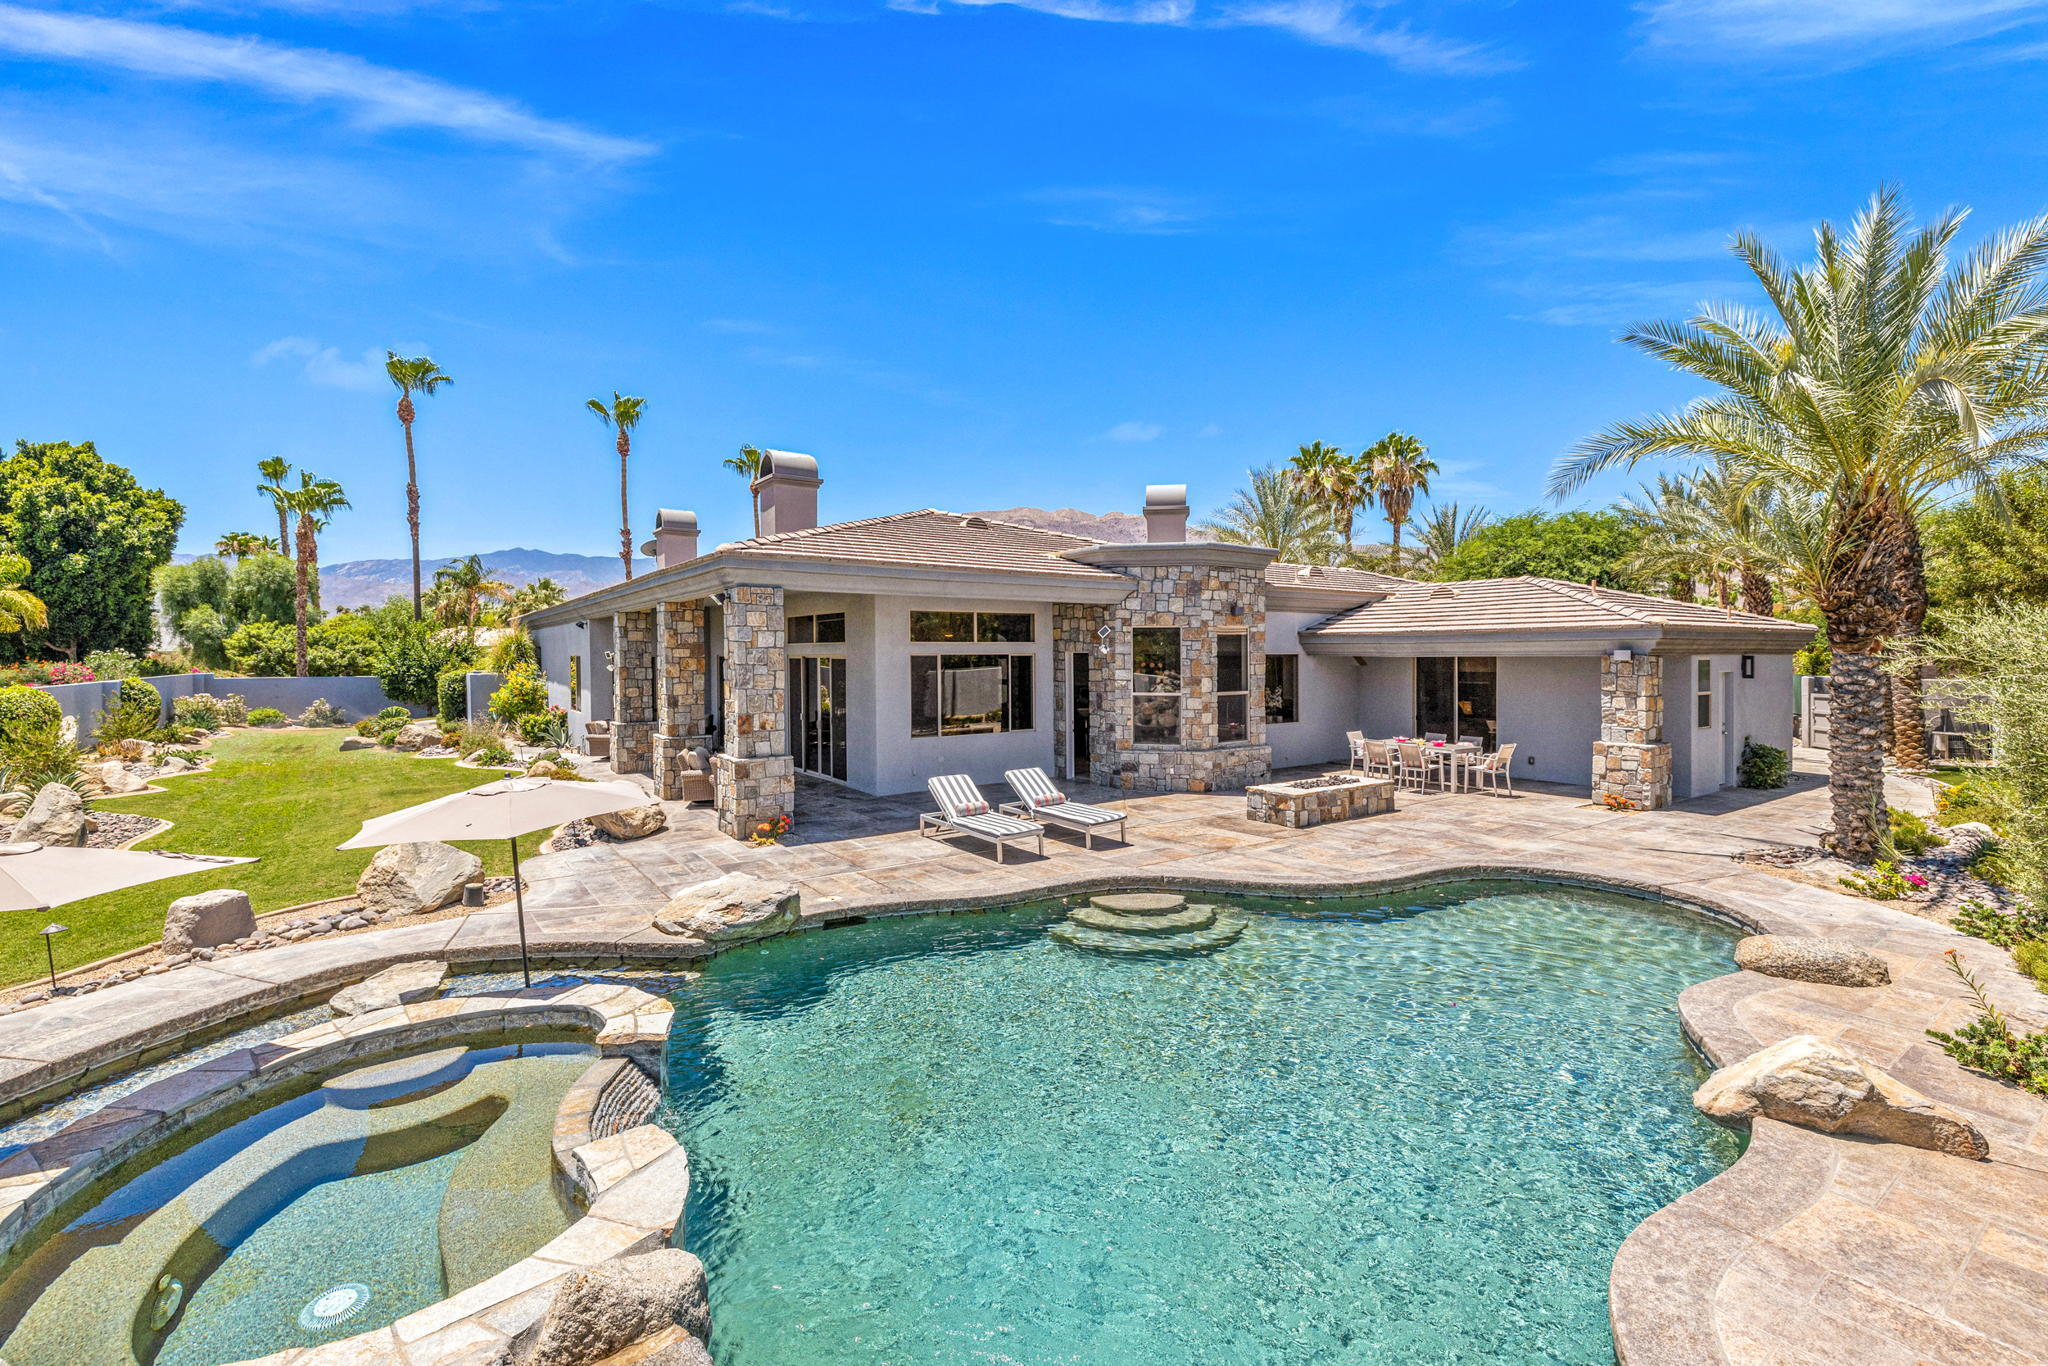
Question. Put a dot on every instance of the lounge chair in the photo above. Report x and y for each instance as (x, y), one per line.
(695, 776)
(1039, 800)
(964, 811)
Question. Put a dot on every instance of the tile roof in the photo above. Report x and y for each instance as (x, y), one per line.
(1533, 604)
(931, 539)
(1281, 574)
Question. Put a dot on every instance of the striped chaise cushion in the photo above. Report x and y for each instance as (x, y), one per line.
(957, 795)
(994, 825)
(1080, 813)
(1034, 787)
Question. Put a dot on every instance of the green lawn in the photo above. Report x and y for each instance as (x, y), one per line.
(287, 797)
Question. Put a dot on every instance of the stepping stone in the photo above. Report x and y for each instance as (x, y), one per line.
(1193, 918)
(1139, 903)
(1224, 931)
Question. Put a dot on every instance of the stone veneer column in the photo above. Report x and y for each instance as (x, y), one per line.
(1630, 759)
(1074, 627)
(682, 720)
(632, 692)
(754, 775)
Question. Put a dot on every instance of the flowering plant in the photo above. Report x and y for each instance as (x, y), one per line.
(767, 832)
(64, 671)
(1884, 882)
(1614, 801)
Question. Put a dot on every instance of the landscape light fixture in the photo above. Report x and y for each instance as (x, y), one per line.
(49, 933)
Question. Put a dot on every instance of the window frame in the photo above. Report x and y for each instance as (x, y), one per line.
(1285, 710)
(972, 633)
(1158, 696)
(1237, 699)
(1703, 693)
(1016, 690)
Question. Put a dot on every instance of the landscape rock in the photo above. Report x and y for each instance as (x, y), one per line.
(731, 910)
(548, 768)
(357, 742)
(1808, 1081)
(635, 822)
(1812, 958)
(603, 1310)
(417, 735)
(408, 879)
(395, 986)
(205, 920)
(175, 764)
(56, 817)
(115, 780)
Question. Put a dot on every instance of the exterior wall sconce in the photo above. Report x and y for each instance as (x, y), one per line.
(1749, 666)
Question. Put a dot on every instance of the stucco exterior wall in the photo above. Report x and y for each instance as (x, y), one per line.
(1386, 697)
(1549, 708)
(1328, 701)
(902, 762)
(1744, 709)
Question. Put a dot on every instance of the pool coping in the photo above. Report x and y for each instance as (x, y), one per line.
(1666, 1279)
(632, 1185)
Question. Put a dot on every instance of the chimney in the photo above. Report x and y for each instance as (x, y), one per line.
(675, 538)
(786, 492)
(1166, 513)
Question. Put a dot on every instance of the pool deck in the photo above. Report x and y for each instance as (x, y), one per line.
(1810, 1251)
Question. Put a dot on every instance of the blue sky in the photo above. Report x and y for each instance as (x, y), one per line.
(968, 254)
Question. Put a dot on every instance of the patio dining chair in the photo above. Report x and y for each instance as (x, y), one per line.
(1379, 759)
(1039, 800)
(1496, 772)
(964, 811)
(1435, 737)
(1414, 763)
(1356, 740)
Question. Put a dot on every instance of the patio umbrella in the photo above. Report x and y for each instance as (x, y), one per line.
(35, 877)
(503, 810)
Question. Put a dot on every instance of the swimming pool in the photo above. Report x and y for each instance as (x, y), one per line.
(1389, 1130)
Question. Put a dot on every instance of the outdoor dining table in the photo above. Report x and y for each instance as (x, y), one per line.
(1457, 754)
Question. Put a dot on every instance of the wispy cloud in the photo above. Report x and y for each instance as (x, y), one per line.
(1374, 114)
(1750, 25)
(1326, 23)
(1150, 213)
(325, 365)
(1615, 303)
(376, 97)
(1135, 432)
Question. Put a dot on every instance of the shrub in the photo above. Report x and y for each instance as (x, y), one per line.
(451, 695)
(234, 710)
(492, 755)
(112, 664)
(474, 735)
(201, 711)
(2032, 959)
(36, 753)
(524, 692)
(321, 712)
(411, 657)
(1764, 766)
(23, 708)
(133, 716)
(1968, 800)
(2003, 928)
(394, 713)
(266, 716)
(1988, 1043)
(388, 738)
(391, 725)
(65, 672)
(1884, 882)
(1910, 834)
(1992, 863)
(366, 727)
(157, 663)
(549, 727)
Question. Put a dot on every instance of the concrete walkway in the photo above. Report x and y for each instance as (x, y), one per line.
(1811, 1250)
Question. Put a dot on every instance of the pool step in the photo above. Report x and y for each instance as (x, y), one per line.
(1139, 903)
(1173, 922)
(1223, 931)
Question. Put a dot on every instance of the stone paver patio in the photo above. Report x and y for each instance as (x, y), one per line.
(1811, 1250)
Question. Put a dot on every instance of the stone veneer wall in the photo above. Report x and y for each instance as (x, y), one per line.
(1196, 599)
(632, 692)
(754, 776)
(682, 719)
(1074, 627)
(1630, 759)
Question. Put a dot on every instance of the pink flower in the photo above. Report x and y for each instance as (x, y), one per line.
(1915, 880)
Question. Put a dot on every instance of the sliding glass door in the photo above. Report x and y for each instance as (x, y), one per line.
(817, 715)
(1457, 697)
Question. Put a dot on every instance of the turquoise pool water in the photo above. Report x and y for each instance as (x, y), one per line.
(1403, 1131)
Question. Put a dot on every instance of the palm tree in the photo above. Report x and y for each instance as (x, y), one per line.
(542, 592)
(241, 545)
(313, 502)
(275, 471)
(20, 610)
(1711, 525)
(1275, 512)
(1400, 468)
(460, 591)
(1881, 378)
(747, 465)
(413, 375)
(1321, 471)
(1447, 527)
(622, 415)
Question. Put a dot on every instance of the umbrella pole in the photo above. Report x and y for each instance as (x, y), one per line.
(519, 896)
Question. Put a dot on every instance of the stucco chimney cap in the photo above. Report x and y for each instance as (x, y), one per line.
(1166, 497)
(788, 466)
(672, 519)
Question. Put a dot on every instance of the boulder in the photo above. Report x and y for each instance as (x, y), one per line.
(175, 764)
(396, 986)
(635, 822)
(731, 910)
(358, 742)
(407, 879)
(603, 1310)
(417, 735)
(1812, 958)
(548, 768)
(115, 780)
(1808, 1081)
(57, 816)
(205, 920)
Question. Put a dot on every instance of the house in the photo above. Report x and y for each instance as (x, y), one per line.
(878, 653)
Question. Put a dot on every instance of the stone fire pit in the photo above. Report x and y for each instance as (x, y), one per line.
(1317, 801)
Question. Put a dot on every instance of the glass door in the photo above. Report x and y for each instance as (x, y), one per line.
(1080, 686)
(817, 715)
(1458, 698)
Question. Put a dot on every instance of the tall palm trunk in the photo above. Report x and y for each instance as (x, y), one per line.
(1397, 545)
(412, 497)
(625, 509)
(1684, 587)
(1862, 607)
(1908, 734)
(284, 531)
(302, 563)
(1757, 594)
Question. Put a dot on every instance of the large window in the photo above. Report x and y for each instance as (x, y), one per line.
(977, 628)
(1703, 692)
(1233, 687)
(1283, 689)
(970, 694)
(827, 628)
(1458, 698)
(1155, 685)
